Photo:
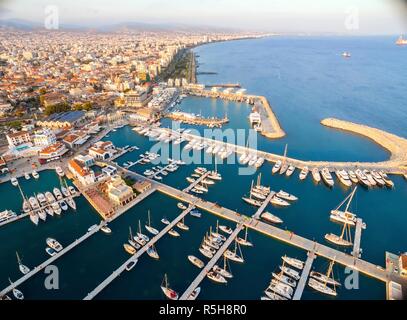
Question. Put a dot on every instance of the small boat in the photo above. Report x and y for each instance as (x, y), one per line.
(165, 221)
(17, 293)
(284, 168)
(106, 229)
(23, 268)
(196, 262)
(54, 244)
(206, 252)
(71, 203)
(321, 287)
(195, 294)
(294, 262)
(129, 249)
(152, 252)
(14, 182)
(282, 284)
(65, 191)
(57, 193)
(376, 176)
(59, 171)
(280, 290)
(284, 279)
(216, 277)
(42, 214)
(363, 180)
(49, 211)
(63, 205)
(353, 177)
(57, 209)
(327, 177)
(131, 265)
(35, 174)
(343, 177)
(72, 190)
(226, 229)
(273, 296)
(41, 198)
(290, 171)
(174, 233)
(181, 206)
(244, 241)
(140, 234)
(252, 202)
(223, 271)
(286, 196)
(27, 176)
(182, 225)
(195, 213)
(279, 202)
(316, 175)
(191, 180)
(169, 293)
(387, 181)
(290, 272)
(267, 216)
(50, 251)
(304, 173)
(34, 218)
(276, 167)
(149, 228)
(233, 256)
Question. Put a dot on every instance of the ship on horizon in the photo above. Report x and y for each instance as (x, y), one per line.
(401, 41)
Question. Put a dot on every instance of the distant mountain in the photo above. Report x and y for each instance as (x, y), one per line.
(19, 24)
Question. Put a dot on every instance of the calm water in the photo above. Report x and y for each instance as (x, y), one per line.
(306, 80)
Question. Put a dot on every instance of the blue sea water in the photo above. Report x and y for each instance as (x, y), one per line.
(306, 80)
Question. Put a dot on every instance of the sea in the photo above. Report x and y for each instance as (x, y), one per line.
(306, 80)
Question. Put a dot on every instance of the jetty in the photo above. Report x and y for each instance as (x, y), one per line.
(186, 295)
(285, 236)
(264, 205)
(51, 260)
(304, 276)
(136, 256)
(196, 182)
(358, 235)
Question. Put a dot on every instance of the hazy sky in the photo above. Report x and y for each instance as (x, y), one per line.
(342, 16)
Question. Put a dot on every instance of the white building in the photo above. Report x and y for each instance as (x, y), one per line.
(18, 138)
(44, 138)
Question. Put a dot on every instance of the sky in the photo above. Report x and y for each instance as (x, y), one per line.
(310, 16)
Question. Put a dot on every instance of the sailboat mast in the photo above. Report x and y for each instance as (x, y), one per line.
(351, 198)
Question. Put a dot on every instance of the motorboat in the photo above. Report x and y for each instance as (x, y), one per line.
(42, 214)
(152, 253)
(298, 264)
(54, 244)
(131, 265)
(196, 262)
(181, 225)
(363, 180)
(49, 210)
(57, 209)
(14, 181)
(174, 233)
(277, 167)
(290, 272)
(51, 252)
(106, 229)
(165, 221)
(327, 177)
(290, 171)
(27, 176)
(34, 218)
(206, 253)
(353, 177)
(195, 213)
(279, 202)
(72, 190)
(59, 171)
(57, 193)
(65, 191)
(129, 249)
(267, 216)
(181, 206)
(41, 198)
(284, 168)
(286, 196)
(304, 173)
(316, 175)
(63, 205)
(35, 175)
(216, 277)
(343, 177)
(168, 292)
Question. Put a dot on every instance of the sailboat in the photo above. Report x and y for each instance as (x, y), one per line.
(141, 235)
(223, 271)
(24, 269)
(182, 225)
(149, 228)
(323, 286)
(168, 292)
(233, 255)
(257, 194)
(152, 252)
(326, 278)
(216, 234)
(243, 241)
(345, 217)
(344, 240)
(132, 241)
(284, 166)
(16, 293)
(216, 277)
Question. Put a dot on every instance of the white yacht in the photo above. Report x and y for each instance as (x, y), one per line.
(316, 175)
(65, 191)
(41, 198)
(54, 244)
(281, 290)
(59, 171)
(327, 177)
(34, 218)
(57, 193)
(363, 180)
(353, 177)
(277, 167)
(290, 272)
(27, 176)
(35, 174)
(23, 269)
(290, 171)
(279, 202)
(57, 209)
(304, 173)
(63, 205)
(343, 177)
(14, 181)
(280, 277)
(321, 287)
(286, 196)
(34, 203)
(72, 190)
(71, 202)
(294, 262)
(267, 216)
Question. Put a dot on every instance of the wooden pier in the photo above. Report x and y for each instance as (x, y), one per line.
(358, 236)
(304, 276)
(196, 182)
(51, 260)
(263, 207)
(211, 264)
(135, 257)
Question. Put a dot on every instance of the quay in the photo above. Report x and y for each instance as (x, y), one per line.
(396, 165)
(197, 120)
(135, 257)
(285, 236)
(304, 276)
(186, 295)
(51, 260)
(358, 235)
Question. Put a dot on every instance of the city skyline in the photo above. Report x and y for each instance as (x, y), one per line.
(351, 17)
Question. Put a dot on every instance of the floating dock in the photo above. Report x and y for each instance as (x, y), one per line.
(304, 276)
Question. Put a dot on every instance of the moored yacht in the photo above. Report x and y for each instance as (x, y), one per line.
(14, 181)
(168, 292)
(277, 167)
(267, 216)
(321, 287)
(54, 244)
(286, 196)
(294, 262)
(327, 177)
(290, 171)
(196, 262)
(279, 202)
(343, 177)
(304, 173)
(35, 174)
(216, 277)
(316, 175)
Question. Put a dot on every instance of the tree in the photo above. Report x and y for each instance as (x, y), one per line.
(57, 108)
